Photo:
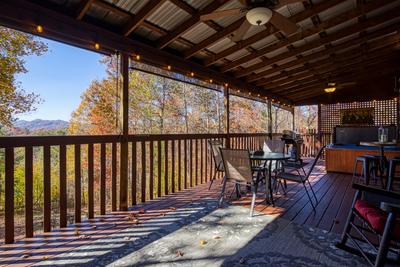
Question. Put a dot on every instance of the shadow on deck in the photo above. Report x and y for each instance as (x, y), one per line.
(123, 232)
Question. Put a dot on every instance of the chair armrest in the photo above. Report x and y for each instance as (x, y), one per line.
(375, 190)
(390, 207)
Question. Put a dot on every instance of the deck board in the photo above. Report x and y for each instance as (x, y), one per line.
(333, 190)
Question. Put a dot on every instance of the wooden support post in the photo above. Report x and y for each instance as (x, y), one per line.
(227, 122)
(319, 120)
(270, 118)
(124, 120)
(293, 127)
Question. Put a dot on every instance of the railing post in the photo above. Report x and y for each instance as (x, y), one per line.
(227, 123)
(124, 120)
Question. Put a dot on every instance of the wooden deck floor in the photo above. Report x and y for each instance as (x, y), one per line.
(333, 191)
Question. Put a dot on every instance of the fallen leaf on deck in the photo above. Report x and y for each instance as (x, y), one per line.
(94, 226)
(136, 221)
(45, 257)
(216, 237)
(141, 211)
(127, 238)
(77, 232)
(84, 237)
(162, 214)
(203, 242)
(24, 256)
(172, 208)
(132, 216)
(179, 253)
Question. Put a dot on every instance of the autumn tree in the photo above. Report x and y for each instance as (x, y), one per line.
(14, 46)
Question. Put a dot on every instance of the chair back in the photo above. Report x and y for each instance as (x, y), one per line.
(315, 161)
(215, 146)
(237, 164)
(277, 146)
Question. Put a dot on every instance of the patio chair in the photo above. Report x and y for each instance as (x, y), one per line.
(374, 217)
(237, 165)
(296, 176)
(215, 145)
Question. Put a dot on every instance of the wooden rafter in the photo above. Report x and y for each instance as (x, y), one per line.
(320, 54)
(143, 13)
(188, 24)
(315, 44)
(270, 30)
(342, 75)
(214, 38)
(83, 8)
(381, 48)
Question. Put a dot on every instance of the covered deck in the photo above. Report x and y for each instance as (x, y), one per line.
(144, 199)
(135, 236)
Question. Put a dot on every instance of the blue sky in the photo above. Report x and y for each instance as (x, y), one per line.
(59, 77)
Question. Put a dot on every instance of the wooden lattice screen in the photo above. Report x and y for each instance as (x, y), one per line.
(385, 113)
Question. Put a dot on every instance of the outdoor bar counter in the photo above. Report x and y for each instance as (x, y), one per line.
(341, 158)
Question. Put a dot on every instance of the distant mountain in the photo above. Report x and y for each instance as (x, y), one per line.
(36, 125)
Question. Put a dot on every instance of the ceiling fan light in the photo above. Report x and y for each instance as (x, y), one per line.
(330, 89)
(259, 15)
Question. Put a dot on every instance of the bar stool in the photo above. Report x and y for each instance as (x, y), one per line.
(370, 163)
(392, 172)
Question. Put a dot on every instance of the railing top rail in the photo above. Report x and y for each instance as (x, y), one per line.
(24, 141)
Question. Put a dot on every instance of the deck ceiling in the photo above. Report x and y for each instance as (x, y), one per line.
(351, 41)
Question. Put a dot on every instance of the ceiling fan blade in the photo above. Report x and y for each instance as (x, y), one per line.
(286, 2)
(241, 31)
(347, 84)
(222, 13)
(282, 23)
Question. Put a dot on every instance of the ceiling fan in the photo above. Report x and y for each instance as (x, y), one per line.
(258, 13)
(332, 86)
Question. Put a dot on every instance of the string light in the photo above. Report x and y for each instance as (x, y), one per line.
(137, 57)
(39, 28)
(169, 67)
(238, 91)
(258, 95)
(249, 93)
(226, 85)
(97, 46)
(192, 74)
(211, 80)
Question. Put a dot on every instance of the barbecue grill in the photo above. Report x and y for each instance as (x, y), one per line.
(293, 142)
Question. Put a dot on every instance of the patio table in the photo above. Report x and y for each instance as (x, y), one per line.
(268, 157)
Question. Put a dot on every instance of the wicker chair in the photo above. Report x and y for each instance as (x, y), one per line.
(215, 146)
(237, 165)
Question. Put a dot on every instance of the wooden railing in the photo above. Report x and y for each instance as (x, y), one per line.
(313, 141)
(89, 166)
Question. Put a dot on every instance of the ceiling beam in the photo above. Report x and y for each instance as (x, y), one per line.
(192, 11)
(318, 90)
(394, 13)
(143, 13)
(189, 24)
(330, 50)
(214, 38)
(341, 61)
(383, 67)
(83, 8)
(271, 30)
